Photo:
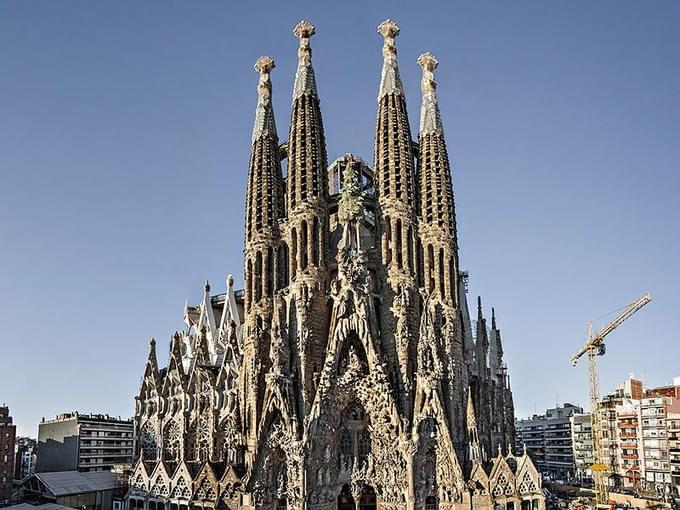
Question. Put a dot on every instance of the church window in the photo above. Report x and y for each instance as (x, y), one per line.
(181, 489)
(171, 441)
(282, 269)
(149, 442)
(388, 244)
(202, 440)
(442, 288)
(409, 247)
(430, 267)
(315, 242)
(346, 447)
(205, 491)
(138, 483)
(452, 285)
(303, 245)
(364, 444)
(400, 258)
(159, 488)
(430, 503)
(270, 272)
(293, 253)
(258, 276)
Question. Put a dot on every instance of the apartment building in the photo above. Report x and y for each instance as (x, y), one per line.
(582, 445)
(673, 426)
(84, 442)
(25, 457)
(629, 448)
(548, 440)
(8, 433)
(654, 413)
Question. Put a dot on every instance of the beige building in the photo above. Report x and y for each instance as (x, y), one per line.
(654, 413)
(640, 437)
(582, 445)
(348, 373)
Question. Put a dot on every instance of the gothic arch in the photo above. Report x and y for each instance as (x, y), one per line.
(172, 441)
(148, 442)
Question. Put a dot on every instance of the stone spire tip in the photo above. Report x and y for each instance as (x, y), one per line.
(428, 61)
(304, 30)
(388, 29)
(264, 65)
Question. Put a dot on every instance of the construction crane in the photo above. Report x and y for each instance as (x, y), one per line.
(593, 348)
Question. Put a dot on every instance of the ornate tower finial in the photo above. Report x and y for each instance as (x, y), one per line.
(390, 81)
(264, 65)
(389, 30)
(430, 121)
(305, 82)
(264, 115)
(304, 31)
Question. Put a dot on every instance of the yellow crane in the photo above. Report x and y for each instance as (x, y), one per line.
(593, 348)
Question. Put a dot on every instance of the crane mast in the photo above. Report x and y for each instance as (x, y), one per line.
(593, 348)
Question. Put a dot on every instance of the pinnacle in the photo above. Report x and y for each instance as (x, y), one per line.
(388, 28)
(264, 65)
(428, 61)
(304, 30)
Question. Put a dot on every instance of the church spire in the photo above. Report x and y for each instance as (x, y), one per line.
(307, 160)
(473, 434)
(437, 216)
(305, 83)
(264, 200)
(395, 192)
(308, 217)
(264, 115)
(393, 164)
(390, 82)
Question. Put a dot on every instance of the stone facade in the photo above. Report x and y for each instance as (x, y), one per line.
(347, 373)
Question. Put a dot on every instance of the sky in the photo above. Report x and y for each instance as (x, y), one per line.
(124, 142)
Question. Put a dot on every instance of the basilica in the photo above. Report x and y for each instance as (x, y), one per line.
(349, 372)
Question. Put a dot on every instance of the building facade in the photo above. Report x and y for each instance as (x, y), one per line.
(8, 433)
(84, 442)
(639, 438)
(25, 458)
(548, 439)
(582, 444)
(348, 373)
(654, 413)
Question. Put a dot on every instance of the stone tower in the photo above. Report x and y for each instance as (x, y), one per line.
(347, 373)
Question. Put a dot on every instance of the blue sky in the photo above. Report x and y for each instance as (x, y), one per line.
(124, 138)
